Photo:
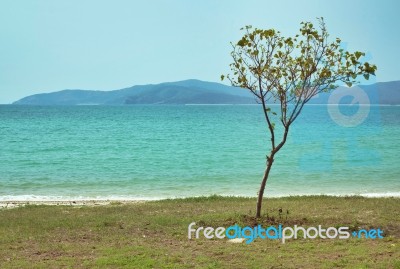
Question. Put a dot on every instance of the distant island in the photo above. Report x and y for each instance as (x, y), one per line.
(191, 92)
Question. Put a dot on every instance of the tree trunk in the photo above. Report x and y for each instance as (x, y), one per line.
(263, 183)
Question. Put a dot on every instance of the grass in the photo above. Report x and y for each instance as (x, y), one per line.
(154, 234)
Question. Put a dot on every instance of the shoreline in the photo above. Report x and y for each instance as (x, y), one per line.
(8, 204)
(18, 203)
(58, 198)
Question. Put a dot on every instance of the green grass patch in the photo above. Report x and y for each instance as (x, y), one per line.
(154, 234)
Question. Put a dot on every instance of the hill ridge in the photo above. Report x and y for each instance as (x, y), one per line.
(191, 91)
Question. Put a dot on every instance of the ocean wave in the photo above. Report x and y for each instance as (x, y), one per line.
(52, 198)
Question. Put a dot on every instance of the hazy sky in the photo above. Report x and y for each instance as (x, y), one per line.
(102, 45)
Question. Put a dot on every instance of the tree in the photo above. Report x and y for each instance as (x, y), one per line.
(289, 71)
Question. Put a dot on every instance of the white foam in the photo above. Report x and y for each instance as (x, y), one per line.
(386, 194)
(44, 198)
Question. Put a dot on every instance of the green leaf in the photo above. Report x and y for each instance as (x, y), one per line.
(222, 77)
(242, 42)
(358, 54)
(349, 84)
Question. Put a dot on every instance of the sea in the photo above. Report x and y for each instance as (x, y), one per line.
(149, 152)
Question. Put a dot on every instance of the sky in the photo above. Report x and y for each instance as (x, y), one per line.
(48, 45)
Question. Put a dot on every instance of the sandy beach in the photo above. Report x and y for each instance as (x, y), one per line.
(13, 204)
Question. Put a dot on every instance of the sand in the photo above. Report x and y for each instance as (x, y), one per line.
(13, 204)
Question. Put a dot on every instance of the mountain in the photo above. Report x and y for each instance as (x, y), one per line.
(384, 93)
(181, 92)
(197, 92)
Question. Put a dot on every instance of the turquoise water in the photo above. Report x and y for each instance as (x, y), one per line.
(152, 152)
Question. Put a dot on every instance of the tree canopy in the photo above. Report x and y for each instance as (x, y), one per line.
(291, 70)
